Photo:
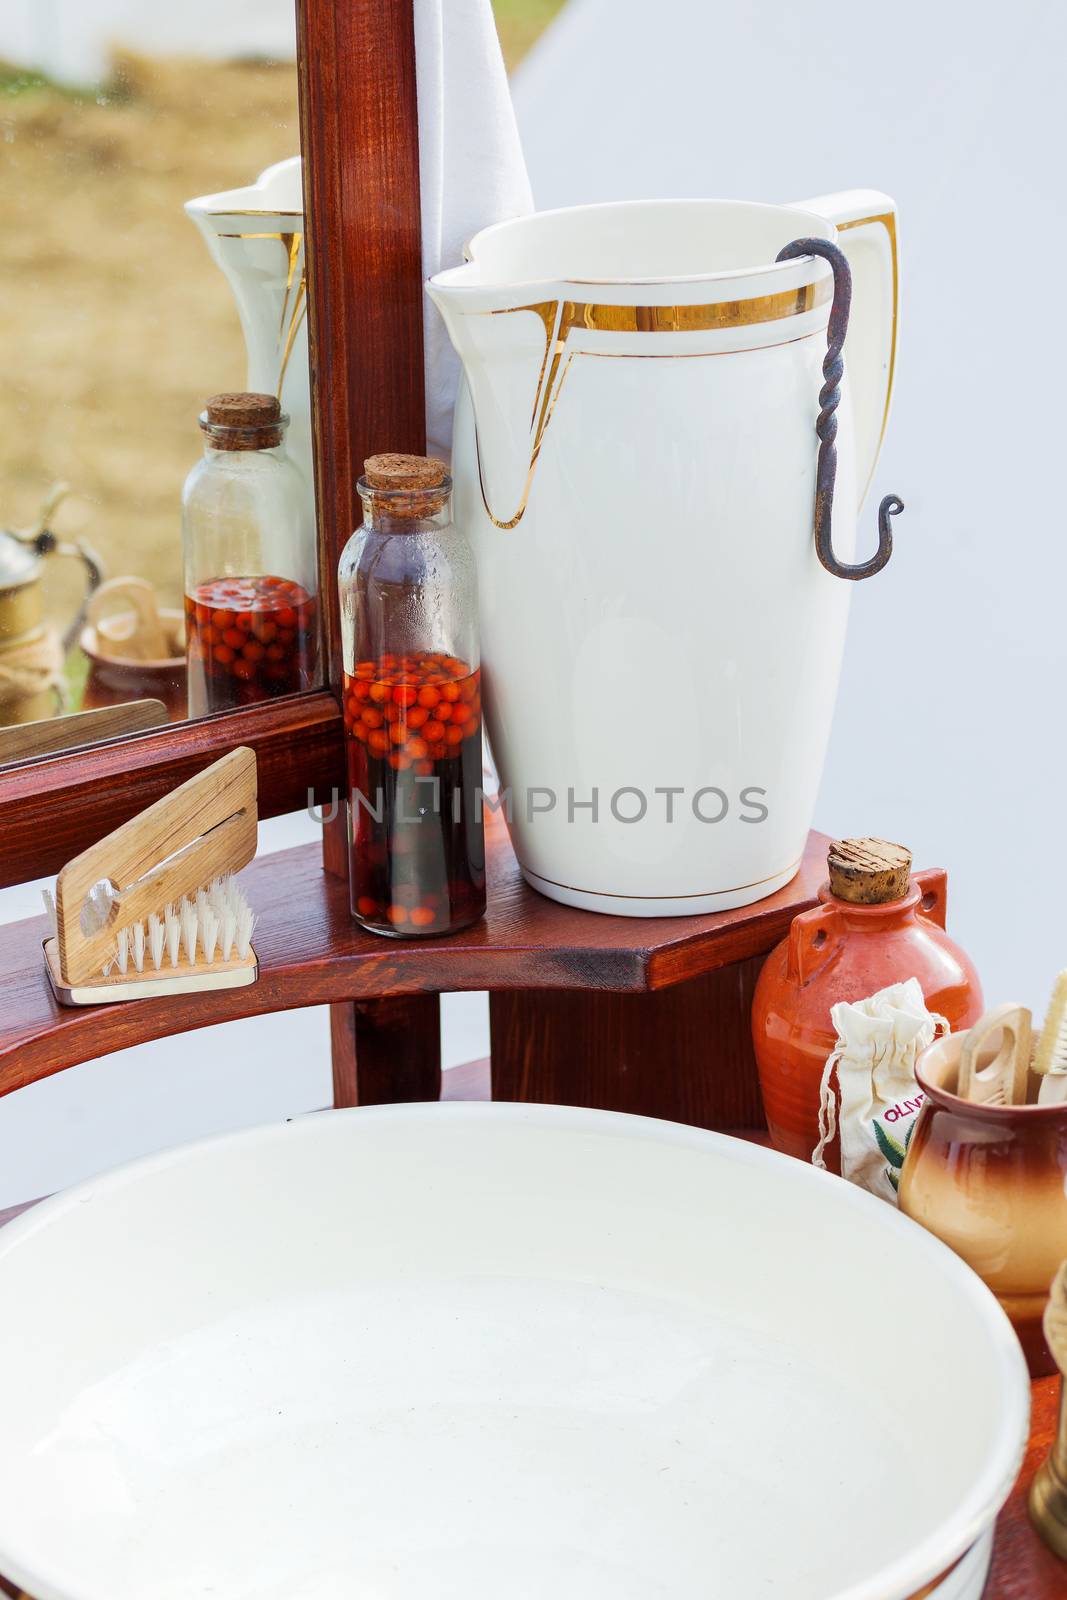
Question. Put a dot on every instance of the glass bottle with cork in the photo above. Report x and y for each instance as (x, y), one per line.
(412, 705)
(250, 562)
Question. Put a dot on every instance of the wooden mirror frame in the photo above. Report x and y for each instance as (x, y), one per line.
(359, 140)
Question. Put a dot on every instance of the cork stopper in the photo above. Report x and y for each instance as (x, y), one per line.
(868, 872)
(244, 421)
(421, 484)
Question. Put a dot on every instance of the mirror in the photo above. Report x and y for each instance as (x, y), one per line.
(155, 243)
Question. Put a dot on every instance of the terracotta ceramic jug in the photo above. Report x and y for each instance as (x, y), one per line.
(991, 1181)
(878, 924)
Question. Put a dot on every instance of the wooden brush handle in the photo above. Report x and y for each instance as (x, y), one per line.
(205, 827)
(1010, 1067)
(201, 861)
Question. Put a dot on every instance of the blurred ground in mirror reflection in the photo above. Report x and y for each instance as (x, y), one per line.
(114, 323)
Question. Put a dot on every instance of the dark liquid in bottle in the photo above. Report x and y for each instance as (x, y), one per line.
(248, 639)
(414, 739)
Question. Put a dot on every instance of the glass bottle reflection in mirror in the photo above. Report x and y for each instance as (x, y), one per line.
(250, 562)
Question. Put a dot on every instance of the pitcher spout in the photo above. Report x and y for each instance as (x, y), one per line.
(505, 337)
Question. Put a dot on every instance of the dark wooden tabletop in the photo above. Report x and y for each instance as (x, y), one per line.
(311, 953)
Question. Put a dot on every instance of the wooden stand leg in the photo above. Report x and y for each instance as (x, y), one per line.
(342, 1017)
(383, 1050)
(684, 1053)
(386, 1050)
(343, 1055)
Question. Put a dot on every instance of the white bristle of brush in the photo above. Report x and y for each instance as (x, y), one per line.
(187, 912)
(209, 931)
(1050, 1057)
(246, 927)
(214, 923)
(227, 932)
(173, 935)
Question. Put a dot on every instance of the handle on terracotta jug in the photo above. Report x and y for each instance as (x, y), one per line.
(814, 937)
(833, 370)
(933, 883)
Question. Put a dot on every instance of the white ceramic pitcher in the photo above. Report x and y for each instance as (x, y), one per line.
(635, 458)
(256, 239)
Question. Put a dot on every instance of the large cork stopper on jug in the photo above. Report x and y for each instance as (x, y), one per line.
(868, 872)
(420, 484)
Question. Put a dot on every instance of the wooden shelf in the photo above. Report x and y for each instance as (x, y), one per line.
(312, 953)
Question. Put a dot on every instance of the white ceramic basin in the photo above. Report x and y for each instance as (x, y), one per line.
(497, 1353)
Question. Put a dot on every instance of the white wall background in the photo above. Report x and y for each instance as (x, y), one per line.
(947, 733)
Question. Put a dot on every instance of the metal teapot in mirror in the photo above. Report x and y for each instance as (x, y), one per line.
(33, 647)
(119, 329)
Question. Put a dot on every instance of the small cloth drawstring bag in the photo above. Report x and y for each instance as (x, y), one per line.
(868, 1088)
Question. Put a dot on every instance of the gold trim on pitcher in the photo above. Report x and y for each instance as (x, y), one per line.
(699, 894)
(294, 246)
(684, 319)
(887, 220)
(559, 317)
(299, 313)
(244, 211)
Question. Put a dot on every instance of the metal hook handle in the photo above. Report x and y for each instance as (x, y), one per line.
(833, 370)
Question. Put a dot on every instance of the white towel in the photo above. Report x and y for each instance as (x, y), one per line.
(471, 165)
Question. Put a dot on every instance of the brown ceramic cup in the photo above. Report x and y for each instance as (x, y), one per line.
(991, 1181)
(114, 680)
